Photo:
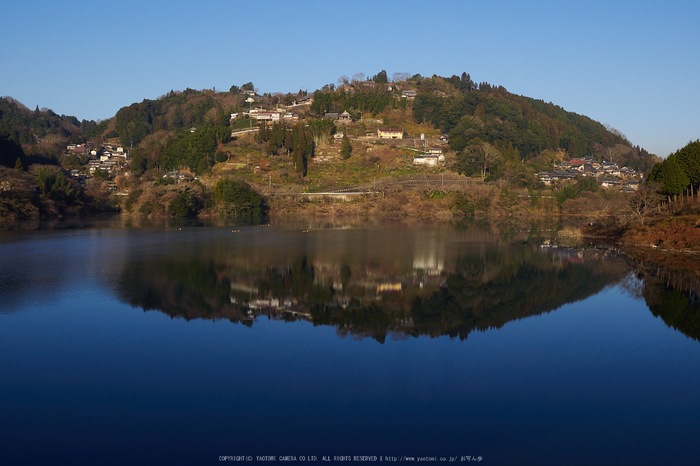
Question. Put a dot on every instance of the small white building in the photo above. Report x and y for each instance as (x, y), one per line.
(428, 160)
(390, 133)
(268, 116)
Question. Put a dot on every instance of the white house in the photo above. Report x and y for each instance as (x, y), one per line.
(390, 133)
(429, 160)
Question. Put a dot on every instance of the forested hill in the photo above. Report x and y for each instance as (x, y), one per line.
(473, 113)
(38, 135)
(519, 128)
(26, 126)
(174, 112)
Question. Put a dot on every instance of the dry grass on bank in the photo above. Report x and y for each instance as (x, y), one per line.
(397, 206)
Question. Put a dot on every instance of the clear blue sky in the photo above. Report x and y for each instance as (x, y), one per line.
(634, 65)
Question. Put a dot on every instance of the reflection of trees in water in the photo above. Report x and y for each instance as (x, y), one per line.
(487, 288)
(297, 281)
(672, 296)
(520, 288)
(192, 289)
(358, 319)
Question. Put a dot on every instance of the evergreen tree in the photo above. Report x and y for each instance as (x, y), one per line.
(300, 156)
(178, 120)
(299, 161)
(655, 173)
(689, 159)
(673, 178)
(289, 142)
(345, 148)
(466, 84)
(381, 78)
(10, 150)
(237, 198)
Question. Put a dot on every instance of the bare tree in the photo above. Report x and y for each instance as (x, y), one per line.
(484, 155)
(344, 80)
(321, 135)
(644, 201)
(615, 132)
(632, 285)
(615, 153)
(357, 77)
(120, 181)
(400, 77)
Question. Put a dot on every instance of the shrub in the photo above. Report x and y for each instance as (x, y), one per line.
(184, 204)
(236, 198)
(221, 157)
(131, 199)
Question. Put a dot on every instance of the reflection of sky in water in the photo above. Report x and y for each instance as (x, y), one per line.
(86, 376)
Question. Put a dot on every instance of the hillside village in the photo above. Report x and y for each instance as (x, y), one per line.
(109, 159)
(419, 147)
(607, 174)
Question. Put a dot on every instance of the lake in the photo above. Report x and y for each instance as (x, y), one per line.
(313, 342)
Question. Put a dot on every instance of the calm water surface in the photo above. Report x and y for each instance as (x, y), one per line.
(163, 346)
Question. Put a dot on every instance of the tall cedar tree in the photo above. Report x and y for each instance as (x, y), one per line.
(345, 148)
(673, 178)
(299, 153)
(689, 159)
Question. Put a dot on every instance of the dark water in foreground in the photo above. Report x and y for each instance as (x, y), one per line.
(273, 341)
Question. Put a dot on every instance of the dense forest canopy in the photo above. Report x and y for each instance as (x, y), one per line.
(364, 98)
(38, 136)
(680, 171)
(174, 111)
(471, 113)
(26, 126)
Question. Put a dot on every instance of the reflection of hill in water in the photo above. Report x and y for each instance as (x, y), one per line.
(673, 297)
(483, 293)
(191, 289)
(468, 304)
(433, 293)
